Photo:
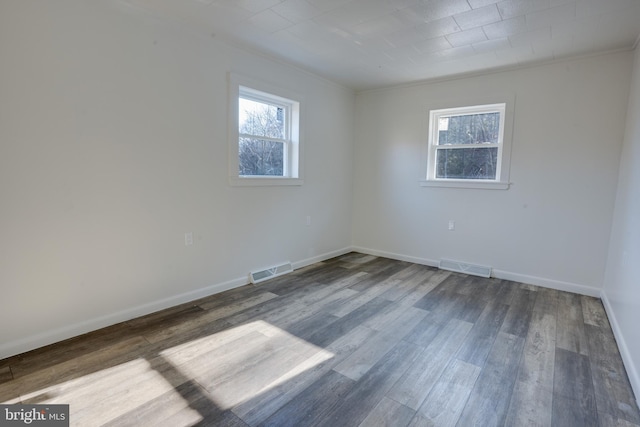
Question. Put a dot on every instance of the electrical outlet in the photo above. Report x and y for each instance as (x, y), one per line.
(188, 239)
(452, 225)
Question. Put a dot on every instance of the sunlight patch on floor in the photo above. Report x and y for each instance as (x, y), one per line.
(239, 364)
(104, 395)
(218, 372)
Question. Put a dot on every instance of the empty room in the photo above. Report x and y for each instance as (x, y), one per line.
(320, 212)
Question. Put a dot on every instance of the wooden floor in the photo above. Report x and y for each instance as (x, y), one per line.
(356, 340)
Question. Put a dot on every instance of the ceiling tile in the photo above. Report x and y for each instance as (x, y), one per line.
(374, 45)
(430, 10)
(269, 21)
(576, 28)
(403, 54)
(354, 13)
(256, 6)
(455, 52)
(554, 3)
(378, 27)
(482, 61)
(548, 17)
(478, 17)
(491, 45)
(514, 56)
(410, 16)
(476, 4)
(512, 8)
(530, 37)
(440, 27)
(296, 10)
(227, 11)
(595, 7)
(506, 28)
(311, 32)
(404, 37)
(433, 45)
(327, 5)
(623, 27)
(468, 37)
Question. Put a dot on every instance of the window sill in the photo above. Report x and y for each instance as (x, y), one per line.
(482, 185)
(236, 181)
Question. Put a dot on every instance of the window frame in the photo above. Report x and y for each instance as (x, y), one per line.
(253, 89)
(505, 108)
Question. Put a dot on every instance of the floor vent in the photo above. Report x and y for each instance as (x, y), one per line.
(269, 273)
(461, 267)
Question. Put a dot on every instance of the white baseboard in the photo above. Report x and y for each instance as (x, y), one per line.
(498, 274)
(49, 337)
(320, 258)
(632, 372)
(52, 336)
(547, 283)
(399, 257)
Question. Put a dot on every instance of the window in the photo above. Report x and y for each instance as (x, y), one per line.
(467, 148)
(264, 134)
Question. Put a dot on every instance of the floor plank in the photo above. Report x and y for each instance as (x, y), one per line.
(325, 393)
(610, 381)
(5, 374)
(372, 387)
(388, 413)
(533, 391)
(546, 301)
(424, 288)
(365, 357)
(489, 400)
(570, 324)
(333, 331)
(574, 401)
(413, 387)
(480, 340)
(518, 317)
(593, 312)
(446, 401)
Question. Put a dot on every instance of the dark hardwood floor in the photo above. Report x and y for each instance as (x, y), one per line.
(353, 341)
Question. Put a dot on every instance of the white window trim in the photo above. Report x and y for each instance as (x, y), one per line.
(293, 157)
(504, 146)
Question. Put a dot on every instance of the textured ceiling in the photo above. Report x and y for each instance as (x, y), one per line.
(366, 44)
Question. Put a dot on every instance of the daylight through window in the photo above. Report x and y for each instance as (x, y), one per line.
(263, 134)
(264, 138)
(466, 143)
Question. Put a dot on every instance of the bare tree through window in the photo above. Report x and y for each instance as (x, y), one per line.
(262, 138)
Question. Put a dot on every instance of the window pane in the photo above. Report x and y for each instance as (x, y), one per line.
(466, 163)
(261, 119)
(469, 129)
(260, 157)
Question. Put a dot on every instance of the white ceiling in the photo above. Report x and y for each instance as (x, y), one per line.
(365, 44)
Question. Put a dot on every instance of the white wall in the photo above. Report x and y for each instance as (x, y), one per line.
(113, 144)
(621, 293)
(552, 226)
